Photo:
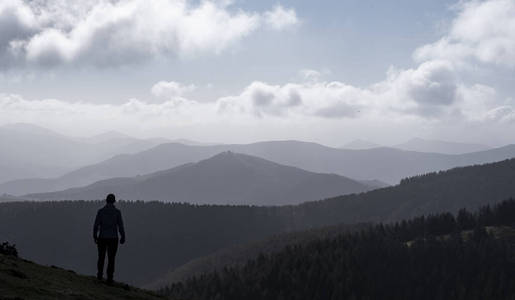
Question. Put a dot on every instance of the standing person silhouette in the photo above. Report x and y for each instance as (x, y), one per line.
(108, 222)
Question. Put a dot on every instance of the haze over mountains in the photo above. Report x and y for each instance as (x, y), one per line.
(226, 178)
(423, 145)
(360, 145)
(28, 151)
(387, 165)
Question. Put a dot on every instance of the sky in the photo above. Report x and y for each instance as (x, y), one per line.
(243, 71)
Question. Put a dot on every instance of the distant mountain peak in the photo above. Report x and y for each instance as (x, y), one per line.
(233, 155)
(228, 159)
(360, 144)
(228, 153)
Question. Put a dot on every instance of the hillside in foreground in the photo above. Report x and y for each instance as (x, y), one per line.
(22, 279)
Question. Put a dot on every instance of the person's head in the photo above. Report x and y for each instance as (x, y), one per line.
(110, 198)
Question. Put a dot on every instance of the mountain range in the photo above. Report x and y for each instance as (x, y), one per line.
(37, 160)
(387, 165)
(28, 151)
(163, 236)
(226, 178)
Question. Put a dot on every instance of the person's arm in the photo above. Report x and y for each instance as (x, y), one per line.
(96, 225)
(121, 228)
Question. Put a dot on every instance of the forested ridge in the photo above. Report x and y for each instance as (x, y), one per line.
(468, 256)
(161, 236)
(443, 191)
(241, 253)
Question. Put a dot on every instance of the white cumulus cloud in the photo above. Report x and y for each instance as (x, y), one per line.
(115, 32)
(280, 18)
(428, 91)
(171, 89)
(483, 31)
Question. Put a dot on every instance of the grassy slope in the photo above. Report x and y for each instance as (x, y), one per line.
(22, 279)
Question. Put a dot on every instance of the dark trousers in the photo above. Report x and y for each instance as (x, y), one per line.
(109, 245)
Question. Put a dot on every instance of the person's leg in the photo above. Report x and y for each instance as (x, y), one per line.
(111, 254)
(101, 245)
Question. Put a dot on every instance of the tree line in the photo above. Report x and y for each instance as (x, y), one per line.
(441, 256)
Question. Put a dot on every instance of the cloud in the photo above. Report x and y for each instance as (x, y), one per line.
(406, 100)
(433, 83)
(280, 18)
(129, 116)
(102, 32)
(483, 31)
(504, 114)
(17, 22)
(430, 91)
(426, 91)
(310, 75)
(262, 99)
(171, 89)
(437, 90)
